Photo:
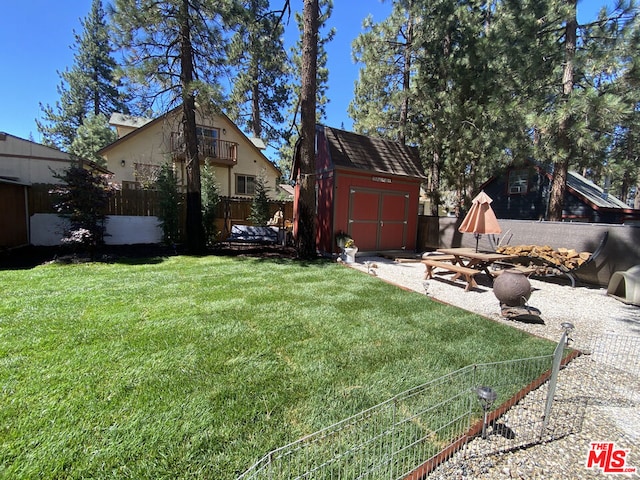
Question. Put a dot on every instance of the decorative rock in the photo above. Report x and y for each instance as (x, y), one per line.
(512, 288)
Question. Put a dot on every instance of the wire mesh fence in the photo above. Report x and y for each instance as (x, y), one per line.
(603, 371)
(405, 436)
(410, 435)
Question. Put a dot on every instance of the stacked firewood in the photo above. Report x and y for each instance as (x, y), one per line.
(548, 259)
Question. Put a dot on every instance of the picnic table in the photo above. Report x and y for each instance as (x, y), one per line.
(464, 262)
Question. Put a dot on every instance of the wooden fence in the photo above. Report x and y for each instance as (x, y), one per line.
(145, 203)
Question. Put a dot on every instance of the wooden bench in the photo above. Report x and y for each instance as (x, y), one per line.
(441, 258)
(459, 270)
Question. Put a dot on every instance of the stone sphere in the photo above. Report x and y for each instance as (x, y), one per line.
(512, 288)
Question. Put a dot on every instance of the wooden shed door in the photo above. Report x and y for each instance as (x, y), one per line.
(378, 219)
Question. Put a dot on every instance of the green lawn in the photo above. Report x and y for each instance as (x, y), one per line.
(196, 367)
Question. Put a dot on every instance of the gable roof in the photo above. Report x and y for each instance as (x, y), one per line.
(579, 186)
(592, 193)
(351, 150)
(142, 127)
(145, 123)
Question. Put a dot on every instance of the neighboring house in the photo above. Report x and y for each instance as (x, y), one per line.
(144, 145)
(522, 192)
(24, 163)
(366, 187)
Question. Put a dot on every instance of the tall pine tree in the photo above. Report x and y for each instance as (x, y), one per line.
(382, 95)
(89, 87)
(494, 82)
(292, 134)
(259, 92)
(306, 205)
(579, 107)
(175, 52)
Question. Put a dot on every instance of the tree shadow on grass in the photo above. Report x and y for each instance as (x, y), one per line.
(26, 258)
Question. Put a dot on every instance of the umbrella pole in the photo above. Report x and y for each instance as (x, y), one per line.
(477, 235)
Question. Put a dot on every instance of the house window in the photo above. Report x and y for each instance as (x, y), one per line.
(518, 182)
(126, 185)
(245, 185)
(208, 140)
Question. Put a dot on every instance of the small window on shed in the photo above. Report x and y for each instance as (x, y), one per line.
(518, 182)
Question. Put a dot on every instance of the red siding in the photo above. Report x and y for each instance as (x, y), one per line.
(374, 212)
(379, 211)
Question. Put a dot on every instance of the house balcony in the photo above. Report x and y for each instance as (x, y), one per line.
(212, 150)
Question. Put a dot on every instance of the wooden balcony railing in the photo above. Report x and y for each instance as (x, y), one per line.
(212, 150)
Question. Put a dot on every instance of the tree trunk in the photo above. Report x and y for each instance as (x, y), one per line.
(306, 234)
(563, 155)
(194, 228)
(256, 121)
(434, 184)
(636, 200)
(406, 81)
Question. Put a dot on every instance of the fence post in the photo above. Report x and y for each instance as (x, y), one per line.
(393, 439)
(553, 380)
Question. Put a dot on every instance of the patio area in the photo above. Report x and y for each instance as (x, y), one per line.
(589, 308)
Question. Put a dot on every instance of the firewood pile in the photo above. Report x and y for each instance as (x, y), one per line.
(546, 260)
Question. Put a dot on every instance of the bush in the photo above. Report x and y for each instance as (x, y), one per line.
(210, 200)
(167, 185)
(83, 199)
(260, 207)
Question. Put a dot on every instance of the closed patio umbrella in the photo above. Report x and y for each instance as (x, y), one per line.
(480, 220)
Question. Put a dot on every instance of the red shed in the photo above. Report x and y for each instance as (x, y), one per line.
(367, 187)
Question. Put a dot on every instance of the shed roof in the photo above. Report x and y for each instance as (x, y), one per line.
(351, 150)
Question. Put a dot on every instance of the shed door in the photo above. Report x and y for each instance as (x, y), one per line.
(378, 219)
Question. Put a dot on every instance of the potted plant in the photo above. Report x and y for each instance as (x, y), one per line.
(341, 239)
(350, 250)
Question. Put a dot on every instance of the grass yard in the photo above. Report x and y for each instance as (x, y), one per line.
(192, 367)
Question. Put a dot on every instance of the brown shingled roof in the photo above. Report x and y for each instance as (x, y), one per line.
(360, 152)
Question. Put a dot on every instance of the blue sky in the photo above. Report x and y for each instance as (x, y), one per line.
(36, 37)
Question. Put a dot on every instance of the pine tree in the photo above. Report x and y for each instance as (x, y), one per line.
(486, 87)
(259, 93)
(260, 205)
(167, 186)
(175, 52)
(91, 136)
(210, 201)
(383, 95)
(580, 107)
(428, 79)
(322, 72)
(292, 135)
(82, 199)
(613, 69)
(306, 232)
(88, 87)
